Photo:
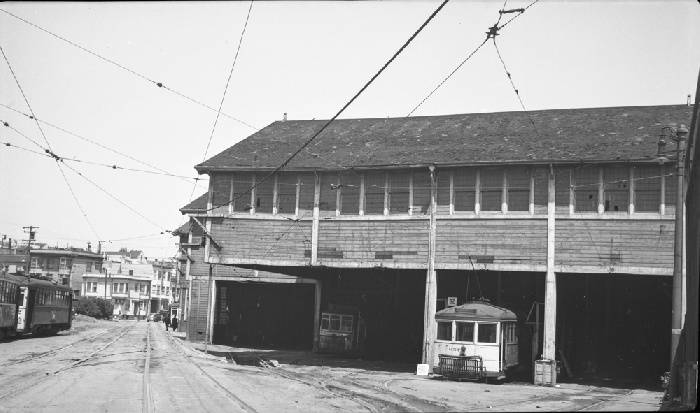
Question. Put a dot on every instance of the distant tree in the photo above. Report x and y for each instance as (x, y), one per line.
(94, 307)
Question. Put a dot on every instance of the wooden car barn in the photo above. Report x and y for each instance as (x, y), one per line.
(389, 220)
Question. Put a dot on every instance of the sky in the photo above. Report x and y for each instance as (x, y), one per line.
(303, 58)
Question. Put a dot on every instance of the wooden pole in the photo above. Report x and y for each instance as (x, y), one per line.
(550, 294)
(317, 315)
(315, 223)
(429, 326)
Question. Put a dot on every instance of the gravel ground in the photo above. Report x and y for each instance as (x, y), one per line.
(138, 366)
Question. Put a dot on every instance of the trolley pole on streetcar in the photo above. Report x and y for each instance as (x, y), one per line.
(32, 234)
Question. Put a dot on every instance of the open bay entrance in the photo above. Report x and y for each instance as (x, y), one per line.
(264, 315)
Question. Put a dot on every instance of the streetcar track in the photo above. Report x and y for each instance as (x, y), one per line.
(147, 403)
(240, 402)
(55, 350)
(36, 377)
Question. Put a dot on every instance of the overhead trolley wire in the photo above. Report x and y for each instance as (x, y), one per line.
(92, 141)
(493, 31)
(24, 96)
(223, 96)
(125, 68)
(75, 198)
(328, 122)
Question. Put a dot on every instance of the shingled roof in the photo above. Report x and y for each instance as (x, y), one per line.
(198, 205)
(563, 135)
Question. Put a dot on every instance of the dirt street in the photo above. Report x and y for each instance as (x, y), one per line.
(138, 366)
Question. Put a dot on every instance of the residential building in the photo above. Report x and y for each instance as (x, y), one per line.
(162, 285)
(566, 217)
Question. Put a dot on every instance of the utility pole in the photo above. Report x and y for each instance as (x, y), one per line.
(32, 234)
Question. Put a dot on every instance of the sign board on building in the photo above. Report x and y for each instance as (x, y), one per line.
(451, 301)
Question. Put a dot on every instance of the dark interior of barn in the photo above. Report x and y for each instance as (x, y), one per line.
(390, 305)
(264, 315)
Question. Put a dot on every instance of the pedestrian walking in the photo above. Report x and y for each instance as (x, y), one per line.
(173, 323)
(166, 320)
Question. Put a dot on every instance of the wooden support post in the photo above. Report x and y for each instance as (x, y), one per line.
(532, 191)
(230, 197)
(275, 196)
(317, 315)
(550, 294)
(338, 197)
(572, 193)
(296, 204)
(361, 210)
(452, 193)
(386, 193)
(662, 204)
(429, 325)
(601, 191)
(410, 193)
(315, 223)
(477, 192)
(504, 192)
(631, 193)
(252, 197)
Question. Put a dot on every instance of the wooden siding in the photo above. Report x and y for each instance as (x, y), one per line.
(373, 243)
(197, 318)
(615, 243)
(490, 241)
(258, 239)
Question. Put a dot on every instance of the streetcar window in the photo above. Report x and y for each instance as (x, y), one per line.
(21, 297)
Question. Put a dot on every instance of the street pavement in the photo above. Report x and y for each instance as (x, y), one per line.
(130, 366)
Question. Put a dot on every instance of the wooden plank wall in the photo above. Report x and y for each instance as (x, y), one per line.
(262, 239)
(371, 243)
(197, 320)
(617, 243)
(491, 241)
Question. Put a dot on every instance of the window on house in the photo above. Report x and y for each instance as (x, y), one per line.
(131, 272)
(35, 262)
(263, 194)
(562, 186)
(62, 263)
(443, 191)
(486, 333)
(350, 193)
(518, 189)
(398, 192)
(421, 192)
(241, 192)
(374, 193)
(286, 193)
(491, 188)
(616, 184)
(328, 194)
(306, 194)
(221, 192)
(463, 181)
(444, 330)
(671, 184)
(335, 322)
(586, 189)
(647, 188)
(115, 287)
(88, 266)
(94, 287)
(465, 332)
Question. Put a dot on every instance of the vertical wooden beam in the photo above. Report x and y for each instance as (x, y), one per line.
(601, 191)
(504, 192)
(572, 192)
(338, 198)
(252, 196)
(477, 192)
(532, 191)
(315, 223)
(452, 192)
(298, 190)
(317, 315)
(361, 210)
(230, 197)
(275, 196)
(410, 193)
(662, 204)
(210, 195)
(429, 325)
(631, 189)
(386, 193)
(550, 294)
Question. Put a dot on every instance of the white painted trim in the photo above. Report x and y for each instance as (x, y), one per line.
(459, 215)
(504, 192)
(275, 196)
(361, 208)
(338, 198)
(298, 189)
(601, 192)
(477, 192)
(631, 191)
(314, 223)
(386, 194)
(230, 197)
(531, 204)
(662, 203)
(410, 193)
(572, 193)
(452, 192)
(252, 197)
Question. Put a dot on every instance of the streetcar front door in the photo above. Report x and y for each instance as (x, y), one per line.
(23, 309)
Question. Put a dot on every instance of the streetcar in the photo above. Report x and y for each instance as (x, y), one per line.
(476, 340)
(33, 306)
